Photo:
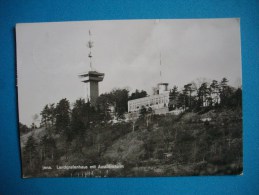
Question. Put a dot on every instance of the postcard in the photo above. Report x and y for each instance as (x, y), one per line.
(130, 98)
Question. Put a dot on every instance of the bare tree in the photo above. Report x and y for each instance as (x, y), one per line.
(133, 117)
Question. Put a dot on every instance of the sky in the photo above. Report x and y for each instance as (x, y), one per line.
(50, 56)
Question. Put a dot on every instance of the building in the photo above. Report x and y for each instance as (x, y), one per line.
(158, 102)
(161, 100)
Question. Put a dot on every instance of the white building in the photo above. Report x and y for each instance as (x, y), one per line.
(158, 103)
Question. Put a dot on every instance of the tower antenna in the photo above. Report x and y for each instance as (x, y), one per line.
(90, 45)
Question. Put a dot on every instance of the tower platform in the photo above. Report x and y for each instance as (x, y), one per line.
(92, 78)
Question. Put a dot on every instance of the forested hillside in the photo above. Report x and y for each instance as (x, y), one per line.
(199, 141)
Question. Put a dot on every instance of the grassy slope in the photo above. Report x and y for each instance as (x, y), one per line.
(37, 134)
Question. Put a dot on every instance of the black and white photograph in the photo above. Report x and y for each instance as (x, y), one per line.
(130, 98)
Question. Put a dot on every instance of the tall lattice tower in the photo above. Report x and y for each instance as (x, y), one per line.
(92, 77)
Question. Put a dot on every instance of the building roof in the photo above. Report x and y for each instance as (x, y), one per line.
(91, 73)
(91, 76)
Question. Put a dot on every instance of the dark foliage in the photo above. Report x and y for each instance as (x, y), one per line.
(24, 128)
(137, 94)
(62, 115)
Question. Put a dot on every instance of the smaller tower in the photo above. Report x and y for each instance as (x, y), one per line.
(161, 87)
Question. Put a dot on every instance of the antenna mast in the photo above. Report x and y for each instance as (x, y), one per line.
(161, 68)
(90, 45)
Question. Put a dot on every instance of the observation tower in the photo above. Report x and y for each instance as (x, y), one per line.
(91, 78)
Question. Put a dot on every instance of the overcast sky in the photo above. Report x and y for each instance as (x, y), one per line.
(51, 55)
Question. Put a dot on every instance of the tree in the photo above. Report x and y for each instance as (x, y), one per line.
(24, 128)
(188, 88)
(133, 117)
(203, 94)
(62, 115)
(142, 112)
(137, 94)
(149, 115)
(43, 147)
(52, 114)
(146, 114)
(224, 83)
(48, 116)
(237, 98)
(214, 91)
(121, 97)
(214, 86)
(233, 98)
(45, 116)
(47, 148)
(80, 117)
(181, 100)
(30, 154)
(105, 102)
(173, 96)
(225, 92)
(33, 126)
(117, 98)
